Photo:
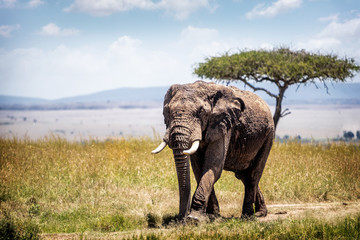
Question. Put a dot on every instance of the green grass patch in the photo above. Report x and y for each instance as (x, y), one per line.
(308, 228)
(117, 185)
(18, 229)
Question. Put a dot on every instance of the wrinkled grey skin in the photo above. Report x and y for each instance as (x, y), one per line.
(236, 132)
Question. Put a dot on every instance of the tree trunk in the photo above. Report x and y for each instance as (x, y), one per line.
(278, 107)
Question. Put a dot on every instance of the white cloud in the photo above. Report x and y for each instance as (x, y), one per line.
(342, 38)
(125, 45)
(274, 9)
(331, 18)
(316, 44)
(192, 35)
(124, 62)
(179, 9)
(182, 9)
(61, 71)
(107, 7)
(52, 29)
(348, 30)
(6, 30)
(15, 3)
(67, 71)
(132, 64)
(7, 3)
(266, 46)
(35, 3)
(197, 43)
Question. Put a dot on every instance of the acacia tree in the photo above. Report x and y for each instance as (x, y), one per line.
(281, 66)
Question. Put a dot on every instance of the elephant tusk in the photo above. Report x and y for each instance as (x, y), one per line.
(193, 149)
(159, 148)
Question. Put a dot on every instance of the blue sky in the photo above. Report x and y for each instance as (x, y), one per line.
(61, 48)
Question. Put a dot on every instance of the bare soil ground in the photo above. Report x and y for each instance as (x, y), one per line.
(327, 211)
(317, 210)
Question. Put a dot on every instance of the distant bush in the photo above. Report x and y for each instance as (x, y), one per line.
(348, 135)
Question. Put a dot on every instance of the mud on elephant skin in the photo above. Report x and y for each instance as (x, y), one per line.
(217, 128)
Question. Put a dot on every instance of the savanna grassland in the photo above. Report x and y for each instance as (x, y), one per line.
(56, 189)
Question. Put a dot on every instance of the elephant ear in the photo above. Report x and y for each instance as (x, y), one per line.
(166, 109)
(168, 96)
(226, 112)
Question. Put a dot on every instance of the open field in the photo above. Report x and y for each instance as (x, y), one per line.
(308, 121)
(95, 188)
(294, 221)
(82, 124)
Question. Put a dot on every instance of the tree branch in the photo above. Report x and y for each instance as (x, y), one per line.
(326, 87)
(285, 112)
(258, 89)
(263, 78)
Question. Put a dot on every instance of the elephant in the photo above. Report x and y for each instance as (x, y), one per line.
(216, 128)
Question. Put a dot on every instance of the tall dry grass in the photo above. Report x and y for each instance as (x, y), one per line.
(313, 172)
(118, 185)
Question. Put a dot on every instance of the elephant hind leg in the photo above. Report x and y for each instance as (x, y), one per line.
(251, 178)
(250, 193)
(253, 196)
(260, 206)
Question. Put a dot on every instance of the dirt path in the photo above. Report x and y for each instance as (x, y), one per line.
(326, 211)
(316, 210)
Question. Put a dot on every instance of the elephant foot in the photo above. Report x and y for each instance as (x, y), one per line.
(251, 215)
(214, 210)
(261, 213)
(248, 212)
(196, 217)
(248, 217)
(215, 217)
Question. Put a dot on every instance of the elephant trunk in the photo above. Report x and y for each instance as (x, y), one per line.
(183, 173)
(183, 139)
(179, 141)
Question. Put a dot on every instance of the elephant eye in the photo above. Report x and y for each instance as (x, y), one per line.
(200, 113)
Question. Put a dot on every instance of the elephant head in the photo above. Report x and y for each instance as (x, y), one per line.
(196, 114)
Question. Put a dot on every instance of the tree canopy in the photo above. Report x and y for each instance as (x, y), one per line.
(281, 66)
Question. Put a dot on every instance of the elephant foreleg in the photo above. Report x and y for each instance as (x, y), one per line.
(204, 195)
(213, 205)
(197, 163)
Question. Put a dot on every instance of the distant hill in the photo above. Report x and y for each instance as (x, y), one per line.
(154, 94)
(117, 98)
(11, 100)
(339, 93)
